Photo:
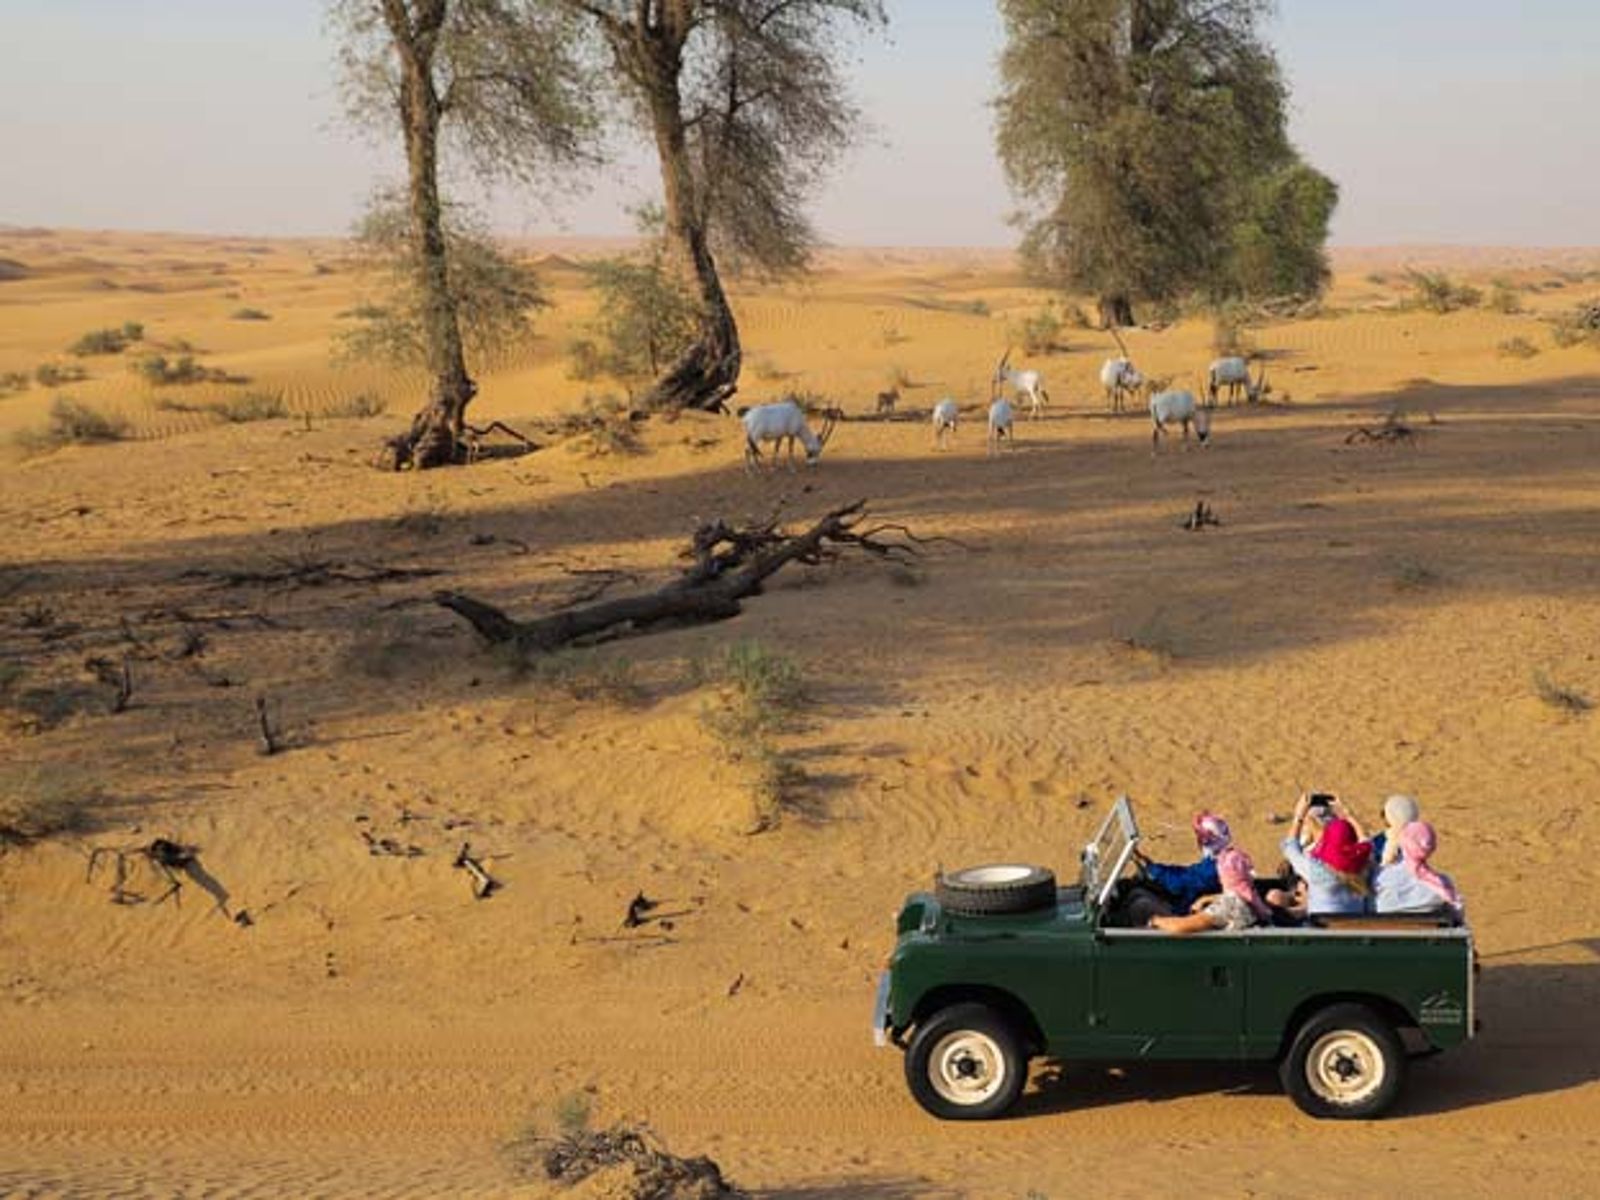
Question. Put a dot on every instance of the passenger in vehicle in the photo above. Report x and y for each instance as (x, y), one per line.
(1236, 907)
(1409, 884)
(1335, 868)
(1186, 884)
(1398, 812)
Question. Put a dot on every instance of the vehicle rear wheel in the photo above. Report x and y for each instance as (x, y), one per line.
(996, 889)
(1346, 1062)
(966, 1063)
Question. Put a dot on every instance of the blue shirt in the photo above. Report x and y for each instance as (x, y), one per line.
(1396, 889)
(1185, 884)
(1325, 891)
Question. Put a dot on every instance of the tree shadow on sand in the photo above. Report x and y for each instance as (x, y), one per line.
(897, 1188)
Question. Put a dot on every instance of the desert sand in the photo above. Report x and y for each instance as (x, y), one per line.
(1366, 618)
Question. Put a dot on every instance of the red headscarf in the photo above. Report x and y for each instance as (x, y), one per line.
(1340, 849)
(1212, 834)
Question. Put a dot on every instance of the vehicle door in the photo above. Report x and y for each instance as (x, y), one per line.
(1161, 996)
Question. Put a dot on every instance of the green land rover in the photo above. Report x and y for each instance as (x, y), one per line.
(1000, 965)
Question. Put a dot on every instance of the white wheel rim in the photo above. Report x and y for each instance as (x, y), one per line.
(994, 874)
(1346, 1067)
(966, 1067)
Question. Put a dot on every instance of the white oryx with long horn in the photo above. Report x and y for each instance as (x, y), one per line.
(1233, 373)
(945, 415)
(1120, 377)
(780, 422)
(1029, 384)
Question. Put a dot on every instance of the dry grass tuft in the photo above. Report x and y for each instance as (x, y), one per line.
(72, 424)
(1560, 697)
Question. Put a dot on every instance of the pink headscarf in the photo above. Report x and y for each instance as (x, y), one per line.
(1417, 843)
(1235, 872)
(1212, 833)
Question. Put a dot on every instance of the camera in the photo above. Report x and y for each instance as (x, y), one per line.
(1320, 800)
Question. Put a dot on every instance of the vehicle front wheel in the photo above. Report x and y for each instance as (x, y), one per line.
(966, 1063)
(1346, 1062)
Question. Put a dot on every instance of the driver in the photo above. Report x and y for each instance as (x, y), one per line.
(1186, 884)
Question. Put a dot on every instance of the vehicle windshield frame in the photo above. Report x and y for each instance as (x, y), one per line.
(1113, 843)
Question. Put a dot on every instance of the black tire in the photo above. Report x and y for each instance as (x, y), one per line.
(966, 1063)
(1346, 1063)
(996, 889)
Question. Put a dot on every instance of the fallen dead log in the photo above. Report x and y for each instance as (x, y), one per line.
(728, 564)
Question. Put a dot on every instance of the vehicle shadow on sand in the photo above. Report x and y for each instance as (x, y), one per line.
(1538, 1037)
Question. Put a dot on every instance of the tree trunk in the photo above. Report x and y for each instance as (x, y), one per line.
(1115, 311)
(707, 373)
(434, 438)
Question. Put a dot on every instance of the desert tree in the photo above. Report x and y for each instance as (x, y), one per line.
(746, 107)
(497, 82)
(1145, 139)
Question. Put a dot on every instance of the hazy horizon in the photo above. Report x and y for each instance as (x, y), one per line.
(223, 118)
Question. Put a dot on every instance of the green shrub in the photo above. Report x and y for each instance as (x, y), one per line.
(251, 406)
(101, 341)
(1436, 292)
(158, 369)
(1503, 298)
(1040, 333)
(362, 404)
(1559, 696)
(1577, 328)
(56, 374)
(72, 423)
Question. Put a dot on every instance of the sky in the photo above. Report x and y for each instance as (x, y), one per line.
(1462, 121)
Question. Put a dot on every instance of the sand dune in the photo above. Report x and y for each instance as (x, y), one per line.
(1366, 618)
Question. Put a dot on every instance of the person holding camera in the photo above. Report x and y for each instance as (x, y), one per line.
(1335, 867)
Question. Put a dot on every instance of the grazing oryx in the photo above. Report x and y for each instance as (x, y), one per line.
(1169, 408)
(1120, 378)
(1026, 383)
(886, 402)
(1234, 374)
(945, 415)
(1001, 417)
(783, 421)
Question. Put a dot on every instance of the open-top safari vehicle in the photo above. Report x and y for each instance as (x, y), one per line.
(1000, 965)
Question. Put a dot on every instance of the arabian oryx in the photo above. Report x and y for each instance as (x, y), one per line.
(1177, 408)
(945, 415)
(1120, 378)
(780, 422)
(1233, 373)
(1027, 384)
(1001, 425)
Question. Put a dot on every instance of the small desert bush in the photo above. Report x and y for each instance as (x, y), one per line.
(1041, 332)
(1503, 298)
(767, 679)
(1577, 328)
(604, 425)
(104, 341)
(583, 675)
(14, 381)
(72, 423)
(1559, 696)
(56, 374)
(356, 407)
(37, 803)
(159, 370)
(251, 314)
(251, 406)
(1517, 347)
(1436, 292)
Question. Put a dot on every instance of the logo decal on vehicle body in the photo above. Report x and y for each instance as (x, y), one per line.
(1441, 1008)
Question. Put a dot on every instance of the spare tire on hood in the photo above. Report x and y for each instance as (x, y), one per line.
(995, 889)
